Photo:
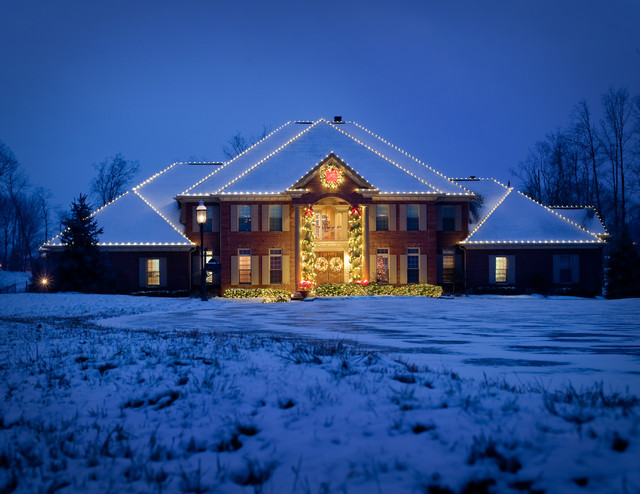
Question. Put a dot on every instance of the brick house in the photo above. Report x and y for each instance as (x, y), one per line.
(352, 192)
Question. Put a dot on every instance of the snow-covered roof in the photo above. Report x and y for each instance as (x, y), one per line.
(585, 216)
(489, 193)
(131, 221)
(279, 161)
(518, 219)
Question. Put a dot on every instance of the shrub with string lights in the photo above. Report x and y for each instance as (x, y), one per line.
(355, 244)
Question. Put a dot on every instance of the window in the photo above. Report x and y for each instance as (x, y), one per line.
(244, 218)
(448, 265)
(208, 256)
(275, 218)
(208, 226)
(275, 266)
(413, 265)
(413, 217)
(448, 218)
(382, 218)
(382, 266)
(565, 268)
(244, 266)
(153, 272)
(501, 269)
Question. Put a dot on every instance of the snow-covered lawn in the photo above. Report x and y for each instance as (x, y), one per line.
(14, 281)
(135, 394)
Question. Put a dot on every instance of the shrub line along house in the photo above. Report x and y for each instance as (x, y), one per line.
(330, 201)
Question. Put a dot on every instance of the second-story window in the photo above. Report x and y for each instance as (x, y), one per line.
(275, 218)
(413, 217)
(382, 217)
(448, 218)
(244, 218)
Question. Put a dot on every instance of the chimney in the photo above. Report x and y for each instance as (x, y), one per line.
(337, 119)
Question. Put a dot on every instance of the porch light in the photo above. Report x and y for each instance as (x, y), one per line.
(201, 218)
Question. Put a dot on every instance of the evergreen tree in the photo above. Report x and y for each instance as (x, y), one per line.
(83, 267)
(623, 277)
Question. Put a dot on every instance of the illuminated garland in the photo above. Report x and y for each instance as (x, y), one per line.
(308, 244)
(355, 244)
(331, 176)
(321, 265)
(335, 264)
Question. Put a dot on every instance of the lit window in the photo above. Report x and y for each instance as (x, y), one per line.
(448, 218)
(382, 266)
(275, 218)
(448, 265)
(275, 266)
(413, 265)
(382, 218)
(153, 272)
(413, 220)
(244, 266)
(501, 269)
(244, 218)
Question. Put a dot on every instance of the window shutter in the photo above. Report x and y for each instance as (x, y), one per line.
(393, 270)
(285, 268)
(196, 227)
(556, 269)
(511, 270)
(265, 217)
(392, 218)
(266, 268)
(234, 270)
(372, 217)
(423, 269)
(372, 268)
(492, 269)
(285, 219)
(439, 218)
(142, 271)
(575, 268)
(163, 271)
(255, 269)
(254, 218)
(423, 217)
(403, 270)
(402, 220)
(234, 218)
(458, 217)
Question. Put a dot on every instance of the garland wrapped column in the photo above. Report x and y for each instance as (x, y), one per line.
(355, 244)
(307, 251)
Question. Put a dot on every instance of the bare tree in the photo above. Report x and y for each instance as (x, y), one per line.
(586, 138)
(114, 174)
(615, 136)
(238, 143)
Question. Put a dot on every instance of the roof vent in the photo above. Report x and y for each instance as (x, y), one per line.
(472, 177)
(337, 119)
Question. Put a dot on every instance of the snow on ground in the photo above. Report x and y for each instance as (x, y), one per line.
(135, 394)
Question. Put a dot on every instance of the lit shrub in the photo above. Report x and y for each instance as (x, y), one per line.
(270, 295)
(355, 289)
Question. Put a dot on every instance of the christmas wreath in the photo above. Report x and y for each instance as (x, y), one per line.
(335, 264)
(321, 264)
(331, 176)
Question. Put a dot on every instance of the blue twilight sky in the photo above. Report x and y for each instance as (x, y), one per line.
(467, 86)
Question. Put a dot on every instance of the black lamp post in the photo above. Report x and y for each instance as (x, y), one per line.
(201, 218)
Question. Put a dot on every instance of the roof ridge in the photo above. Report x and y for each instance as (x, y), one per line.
(390, 160)
(207, 177)
(270, 155)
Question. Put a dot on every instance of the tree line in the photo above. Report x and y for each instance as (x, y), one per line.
(591, 161)
(28, 218)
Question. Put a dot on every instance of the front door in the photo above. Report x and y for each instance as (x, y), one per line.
(329, 267)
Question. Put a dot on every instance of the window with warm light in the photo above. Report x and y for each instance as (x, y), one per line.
(382, 217)
(244, 218)
(501, 269)
(382, 266)
(153, 272)
(275, 266)
(244, 266)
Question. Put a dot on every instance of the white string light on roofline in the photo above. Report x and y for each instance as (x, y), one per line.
(592, 207)
(406, 154)
(162, 216)
(231, 161)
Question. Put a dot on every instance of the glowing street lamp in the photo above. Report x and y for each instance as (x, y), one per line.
(201, 218)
